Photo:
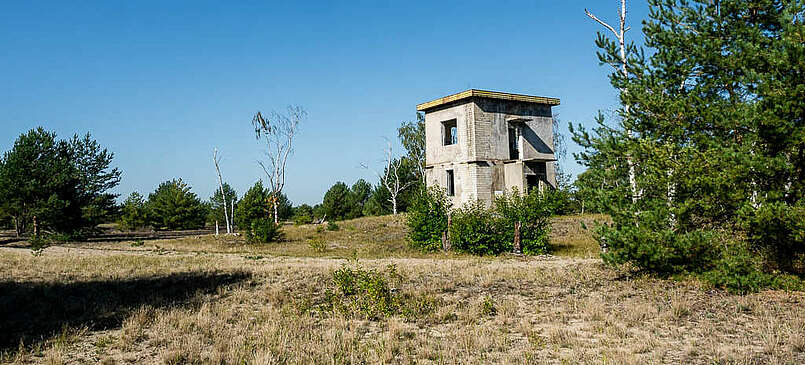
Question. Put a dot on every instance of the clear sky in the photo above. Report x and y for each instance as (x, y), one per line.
(161, 83)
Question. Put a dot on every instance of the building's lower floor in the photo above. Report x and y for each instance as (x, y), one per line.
(484, 180)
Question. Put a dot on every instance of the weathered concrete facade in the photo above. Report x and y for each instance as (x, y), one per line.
(479, 144)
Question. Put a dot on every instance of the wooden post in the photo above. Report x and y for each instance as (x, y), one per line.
(36, 228)
(445, 238)
(517, 249)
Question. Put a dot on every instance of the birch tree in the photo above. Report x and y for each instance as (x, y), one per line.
(216, 160)
(621, 64)
(277, 131)
(393, 178)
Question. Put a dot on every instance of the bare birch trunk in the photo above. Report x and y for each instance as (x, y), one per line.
(621, 36)
(232, 218)
(276, 215)
(221, 187)
(390, 180)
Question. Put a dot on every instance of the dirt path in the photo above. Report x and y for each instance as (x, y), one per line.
(544, 261)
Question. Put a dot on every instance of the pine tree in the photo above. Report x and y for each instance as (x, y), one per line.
(715, 119)
(173, 206)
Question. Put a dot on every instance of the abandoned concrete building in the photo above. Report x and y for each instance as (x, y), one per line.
(480, 144)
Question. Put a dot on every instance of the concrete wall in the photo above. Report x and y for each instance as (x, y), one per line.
(435, 151)
(464, 179)
(492, 125)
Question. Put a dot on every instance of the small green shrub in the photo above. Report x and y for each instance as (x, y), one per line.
(777, 230)
(332, 226)
(137, 243)
(661, 250)
(476, 230)
(367, 292)
(263, 230)
(488, 307)
(317, 244)
(301, 219)
(427, 219)
(738, 271)
(319, 229)
(533, 211)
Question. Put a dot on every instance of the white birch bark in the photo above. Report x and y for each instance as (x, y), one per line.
(390, 179)
(620, 35)
(216, 160)
(277, 131)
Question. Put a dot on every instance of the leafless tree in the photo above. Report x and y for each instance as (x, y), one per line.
(217, 160)
(391, 178)
(622, 67)
(277, 131)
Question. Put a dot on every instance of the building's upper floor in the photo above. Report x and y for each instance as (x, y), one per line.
(477, 125)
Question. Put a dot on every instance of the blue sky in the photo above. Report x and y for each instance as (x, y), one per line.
(161, 83)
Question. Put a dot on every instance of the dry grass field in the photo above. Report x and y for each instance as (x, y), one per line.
(201, 299)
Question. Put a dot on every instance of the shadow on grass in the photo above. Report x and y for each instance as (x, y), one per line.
(34, 311)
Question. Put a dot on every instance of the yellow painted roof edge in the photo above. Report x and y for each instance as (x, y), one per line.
(487, 94)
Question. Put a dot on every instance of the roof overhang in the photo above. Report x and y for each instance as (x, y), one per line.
(486, 94)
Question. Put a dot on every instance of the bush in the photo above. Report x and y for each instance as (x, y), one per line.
(317, 244)
(263, 230)
(332, 226)
(366, 292)
(777, 230)
(663, 251)
(427, 219)
(476, 230)
(738, 271)
(533, 211)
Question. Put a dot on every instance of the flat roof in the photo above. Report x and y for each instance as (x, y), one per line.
(487, 94)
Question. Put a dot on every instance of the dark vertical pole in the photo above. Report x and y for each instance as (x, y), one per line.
(445, 237)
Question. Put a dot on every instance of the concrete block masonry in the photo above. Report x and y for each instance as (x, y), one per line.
(479, 144)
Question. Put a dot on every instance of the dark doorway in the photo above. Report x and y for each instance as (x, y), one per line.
(514, 145)
(532, 181)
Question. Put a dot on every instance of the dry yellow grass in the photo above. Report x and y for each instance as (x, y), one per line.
(207, 301)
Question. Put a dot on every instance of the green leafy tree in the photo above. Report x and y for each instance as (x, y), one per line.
(173, 206)
(133, 212)
(427, 219)
(412, 138)
(711, 128)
